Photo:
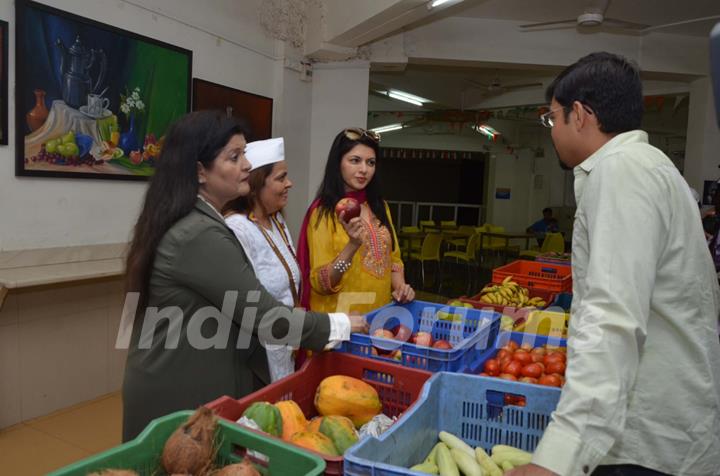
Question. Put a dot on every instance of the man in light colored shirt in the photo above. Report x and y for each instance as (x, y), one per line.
(642, 395)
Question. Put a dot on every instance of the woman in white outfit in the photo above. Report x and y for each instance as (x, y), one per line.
(258, 224)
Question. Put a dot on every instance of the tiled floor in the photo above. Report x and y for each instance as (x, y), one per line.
(38, 446)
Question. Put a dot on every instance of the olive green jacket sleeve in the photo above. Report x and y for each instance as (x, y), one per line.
(212, 263)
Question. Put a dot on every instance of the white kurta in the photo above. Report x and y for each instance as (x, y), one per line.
(272, 275)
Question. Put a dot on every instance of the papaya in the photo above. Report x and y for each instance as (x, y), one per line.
(314, 424)
(315, 441)
(340, 430)
(293, 419)
(267, 417)
(348, 397)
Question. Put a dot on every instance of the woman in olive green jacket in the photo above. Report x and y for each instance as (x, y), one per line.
(202, 314)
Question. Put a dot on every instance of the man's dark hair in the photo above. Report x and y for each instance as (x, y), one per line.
(547, 210)
(608, 84)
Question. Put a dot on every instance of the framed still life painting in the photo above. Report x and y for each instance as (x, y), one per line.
(92, 100)
(255, 110)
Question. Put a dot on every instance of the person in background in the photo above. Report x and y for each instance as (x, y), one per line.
(185, 264)
(547, 224)
(642, 390)
(258, 223)
(359, 256)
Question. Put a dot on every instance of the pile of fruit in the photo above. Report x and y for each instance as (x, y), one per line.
(543, 365)
(65, 150)
(343, 403)
(403, 333)
(510, 293)
(452, 456)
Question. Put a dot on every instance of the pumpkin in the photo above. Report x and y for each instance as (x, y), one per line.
(348, 397)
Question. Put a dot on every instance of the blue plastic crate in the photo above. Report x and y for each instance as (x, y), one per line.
(473, 331)
(503, 338)
(472, 408)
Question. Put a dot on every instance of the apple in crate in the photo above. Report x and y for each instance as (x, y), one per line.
(402, 333)
(423, 338)
(385, 334)
(442, 345)
(397, 355)
(350, 206)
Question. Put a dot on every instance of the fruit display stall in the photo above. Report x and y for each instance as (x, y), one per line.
(431, 389)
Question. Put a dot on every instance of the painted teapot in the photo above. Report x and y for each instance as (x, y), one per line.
(75, 64)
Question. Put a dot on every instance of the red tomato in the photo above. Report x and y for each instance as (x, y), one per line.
(502, 353)
(558, 355)
(508, 377)
(550, 358)
(492, 367)
(537, 357)
(526, 346)
(531, 370)
(504, 361)
(483, 374)
(529, 380)
(542, 366)
(516, 400)
(538, 350)
(523, 357)
(514, 367)
(562, 379)
(513, 345)
(556, 368)
(550, 380)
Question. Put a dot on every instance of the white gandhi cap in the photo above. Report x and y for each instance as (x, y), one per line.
(264, 152)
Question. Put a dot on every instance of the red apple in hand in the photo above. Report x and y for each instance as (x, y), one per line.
(350, 206)
(442, 345)
(423, 338)
(402, 333)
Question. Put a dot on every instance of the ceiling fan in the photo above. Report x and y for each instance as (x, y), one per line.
(594, 16)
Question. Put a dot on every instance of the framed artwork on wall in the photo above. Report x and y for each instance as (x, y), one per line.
(4, 31)
(92, 100)
(256, 110)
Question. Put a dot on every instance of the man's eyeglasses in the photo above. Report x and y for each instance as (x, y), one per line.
(355, 133)
(547, 118)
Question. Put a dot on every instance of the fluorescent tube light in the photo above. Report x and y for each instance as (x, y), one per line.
(388, 128)
(407, 97)
(437, 3)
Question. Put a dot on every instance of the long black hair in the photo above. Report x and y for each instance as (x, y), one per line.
(332, 188)
(195, 137)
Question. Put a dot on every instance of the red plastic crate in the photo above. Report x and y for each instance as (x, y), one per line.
(398, 387)
(535, 275)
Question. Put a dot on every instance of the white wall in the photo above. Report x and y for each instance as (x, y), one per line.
(702, 155)
(45, 212)
(339, 100)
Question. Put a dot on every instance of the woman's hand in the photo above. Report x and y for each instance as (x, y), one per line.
(404, 293)
(354, 229)
(358, 324)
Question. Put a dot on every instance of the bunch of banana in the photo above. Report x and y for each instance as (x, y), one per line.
(510, 293)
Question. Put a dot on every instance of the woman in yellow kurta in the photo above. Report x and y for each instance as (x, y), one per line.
(356, 265)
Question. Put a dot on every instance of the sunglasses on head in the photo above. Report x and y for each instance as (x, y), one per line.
(355, 133)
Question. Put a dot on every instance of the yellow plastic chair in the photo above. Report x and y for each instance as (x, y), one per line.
(430, 251)
(411, 245)
(468, 256)
(465, 230)
(448, 225)
(426, 224)
(553, 242)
